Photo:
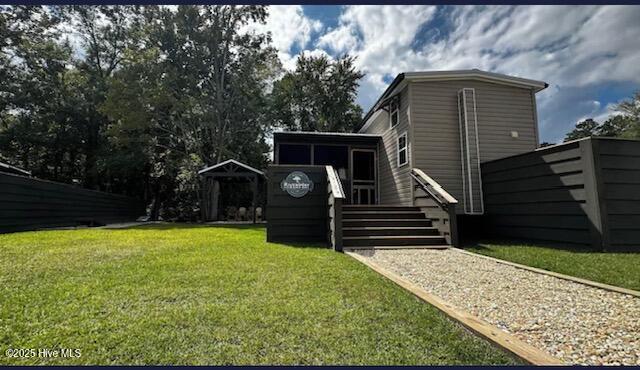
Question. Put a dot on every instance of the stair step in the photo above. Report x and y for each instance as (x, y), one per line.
(384, 215)
(379, 208)
(389, 231)
(380, 222)
(379, 240)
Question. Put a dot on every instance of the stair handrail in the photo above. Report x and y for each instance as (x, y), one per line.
(443, 214)
(433, 188)
(335, 198)
(334, 182)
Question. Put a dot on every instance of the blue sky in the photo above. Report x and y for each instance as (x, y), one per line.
(589, 55)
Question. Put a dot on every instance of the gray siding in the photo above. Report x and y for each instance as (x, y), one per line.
(436, 136)
(29, 204)
(297, 219)
(394, 184)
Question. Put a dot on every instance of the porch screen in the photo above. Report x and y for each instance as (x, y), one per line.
(470, 152)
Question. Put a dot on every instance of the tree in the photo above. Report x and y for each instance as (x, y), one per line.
(626, 123)
(193, 93)
(545, 144)
(38, 107)
(583, 129)
(105, 33)
(630, 110)
(318, 96)
(615, 126)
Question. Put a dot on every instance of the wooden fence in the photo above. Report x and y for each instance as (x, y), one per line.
(585, 192)
(30, 204)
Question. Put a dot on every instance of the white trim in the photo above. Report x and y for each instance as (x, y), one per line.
(466, 130)
(536, 129)
(227, 162)
(464, 186)
(392, 112)
(375, 172)
(406, 148)
(475, 117)
(464, 142)
(476, 75)
(350, 134)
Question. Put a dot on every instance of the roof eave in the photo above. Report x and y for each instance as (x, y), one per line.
(480, 75)
(207, 169)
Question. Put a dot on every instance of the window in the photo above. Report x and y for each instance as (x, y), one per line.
(394, 112)
(294, 154)
(403, 153)
(334, 155)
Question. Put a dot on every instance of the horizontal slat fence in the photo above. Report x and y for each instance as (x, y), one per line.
(526, 195)
(619, 168)
(30, 204)
(585, 192)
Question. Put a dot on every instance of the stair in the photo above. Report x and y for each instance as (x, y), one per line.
(387, 227)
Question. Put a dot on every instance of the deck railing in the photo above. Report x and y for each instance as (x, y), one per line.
(335, 195)
(437, 204)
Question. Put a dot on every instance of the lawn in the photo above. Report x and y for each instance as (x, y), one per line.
(170, 294)
(619, 269)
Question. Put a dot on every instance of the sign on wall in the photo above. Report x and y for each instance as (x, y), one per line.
(297, 184)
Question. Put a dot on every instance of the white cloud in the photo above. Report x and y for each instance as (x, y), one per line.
(340, 39)
(289, 27)
(381, 38)
(574, 48)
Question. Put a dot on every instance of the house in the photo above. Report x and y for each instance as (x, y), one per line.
(412, 174)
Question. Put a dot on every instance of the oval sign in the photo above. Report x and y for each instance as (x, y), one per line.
(297, 184)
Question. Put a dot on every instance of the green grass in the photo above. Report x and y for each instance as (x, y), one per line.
(619, 269)
(203, 295)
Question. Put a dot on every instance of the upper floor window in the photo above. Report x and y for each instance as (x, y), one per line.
(403, 152)
(394, 112)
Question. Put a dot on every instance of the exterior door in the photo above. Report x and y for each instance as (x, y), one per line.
(363, 175)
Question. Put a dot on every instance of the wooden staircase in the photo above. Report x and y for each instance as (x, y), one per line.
(388, 227)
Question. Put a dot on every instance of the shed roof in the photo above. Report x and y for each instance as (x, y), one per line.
(228, 162)
(325, 137)
(7, 168)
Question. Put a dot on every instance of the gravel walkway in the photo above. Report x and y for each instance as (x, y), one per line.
(576, 323)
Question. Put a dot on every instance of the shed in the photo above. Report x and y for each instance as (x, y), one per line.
(229, 187)
(7, 168)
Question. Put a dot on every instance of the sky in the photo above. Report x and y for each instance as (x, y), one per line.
(589, 55)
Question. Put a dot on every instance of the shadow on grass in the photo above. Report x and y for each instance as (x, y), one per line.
(176, 225)
(315, 245)
(186, 226)
(485, 245)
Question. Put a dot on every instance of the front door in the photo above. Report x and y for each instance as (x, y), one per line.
(363, 175)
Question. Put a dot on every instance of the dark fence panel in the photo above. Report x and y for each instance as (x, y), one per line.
(584, 192)
(30, 204)
(619, 173)
(297, 219)
(539, 195)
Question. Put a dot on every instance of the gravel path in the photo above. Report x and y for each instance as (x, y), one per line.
(576, 323)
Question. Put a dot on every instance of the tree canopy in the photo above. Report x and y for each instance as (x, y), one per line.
(625, 123)
(319, 95)
(136, 99)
